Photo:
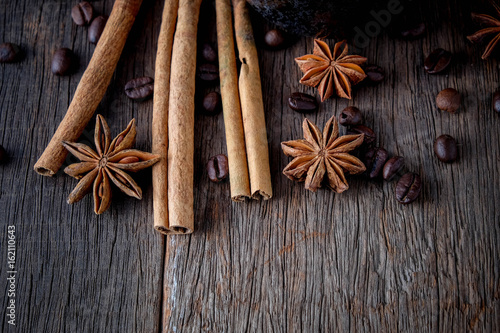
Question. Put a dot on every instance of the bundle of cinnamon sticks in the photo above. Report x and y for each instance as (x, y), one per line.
(173, 112)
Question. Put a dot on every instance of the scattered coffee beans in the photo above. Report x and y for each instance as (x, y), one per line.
(350, 116)
(362, 129)
(437, 61)
(408, 188)
(392, 167)
(496, 101)
(63, 62)
(274, 39)
(3, 154)
(9, 52)
(82, 13)
(412, 31)
(140, 88)
(208, 53)
(96, 28)
(212, 103)
(208, 72)
(302, 102)
(217, 168)
(375, 159)
(448, 100)
(374, 74)
(445, 148)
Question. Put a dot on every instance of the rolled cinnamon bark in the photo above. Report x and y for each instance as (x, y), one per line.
(235, 136)
(252, 106)
(181, 119)
(92, 86)
(160, 115)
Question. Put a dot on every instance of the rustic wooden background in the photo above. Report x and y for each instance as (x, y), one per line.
(302, 261)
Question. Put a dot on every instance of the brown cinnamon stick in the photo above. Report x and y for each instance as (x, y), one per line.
(92, 86)
(181, 119)
(252, 106)
(160, 115)
(235, 136)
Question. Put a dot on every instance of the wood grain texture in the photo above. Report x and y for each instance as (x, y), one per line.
(301, 261)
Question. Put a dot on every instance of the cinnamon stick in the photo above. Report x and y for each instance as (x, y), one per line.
(160, 114)
(235, 136)
(181, 119)
(252, 106)
(92, 86)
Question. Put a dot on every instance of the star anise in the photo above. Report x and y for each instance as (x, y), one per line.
(110, 161)
(324, 70)
(319, 154)
(492, 29)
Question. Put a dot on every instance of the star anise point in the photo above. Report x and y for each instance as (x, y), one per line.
(491, 30)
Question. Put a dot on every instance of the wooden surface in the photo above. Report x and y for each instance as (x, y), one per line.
(299, 262)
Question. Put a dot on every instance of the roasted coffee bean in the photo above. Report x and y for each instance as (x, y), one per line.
(392, 167)
(96, 28)
(302, 103)
(374, 74)
(208, 53)
(496, 102)
(212, 103)
(208, 72)
(63, 62)
(362, 129)
(375, 159)
(3, 154)
(437, 61)
(9, 52)
(82, 13)
(217, 168)
(448, 100)
(408, 188)
(275, 39)
(350, 116)
(140, 88)
(412, 31)
(445, 148)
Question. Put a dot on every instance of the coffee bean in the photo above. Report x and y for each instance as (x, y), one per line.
(445, 148)
(140, 88)
(275, 39)
(408, 188)
(496, 102)
(63, 62)
(448, 100)
(437, 61)
(392, 167)
(212, 103)
(96, 28)
(350, 116)
(9, 52)
(362, 129)
(412, 31)
(208, 72)
(217, 168)
(302, 102)
(375, 159)
(208, 53)
(374, 74)
(82, 13)
(3, 155)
